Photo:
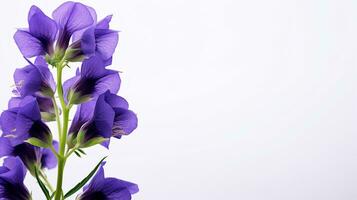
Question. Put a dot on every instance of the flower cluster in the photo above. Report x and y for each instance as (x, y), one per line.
(72, 35)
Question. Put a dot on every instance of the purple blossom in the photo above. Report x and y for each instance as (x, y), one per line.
(92, 80)
(38, 39)
(96, 40)
(23, 122)
(108, 188)
(12, 175)
(45, 105)
(71, 17)
(107, 116)
(34, 79)
(30, 155)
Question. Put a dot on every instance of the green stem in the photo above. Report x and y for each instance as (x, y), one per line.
(59, 126)
(63, 133)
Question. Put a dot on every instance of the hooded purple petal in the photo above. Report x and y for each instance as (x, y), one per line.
(108, 188)
(101, 123)
(43, 28)
(125, 120)
(45, 105)
(23, 122)
(30, 155)
(14, 126)
(39, 38)
(93, 80)
(96, 40)
(71, 17)
(34, 80)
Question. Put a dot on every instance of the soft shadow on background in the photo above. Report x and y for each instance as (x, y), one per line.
(251, 100)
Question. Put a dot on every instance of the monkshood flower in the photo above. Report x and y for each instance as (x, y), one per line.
(108, 188)
(45, 105)
(98, 121)
(38, 39)
(96, 40)
(92, 80)
(24, 122)
(33, 157)
(71, 17)
(34, 79)
(12, 175)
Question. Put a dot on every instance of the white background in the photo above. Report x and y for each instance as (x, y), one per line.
(249, 100)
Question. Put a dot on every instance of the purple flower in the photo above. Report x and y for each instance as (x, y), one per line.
(108, 188)
(30, 155)
(34, 79)
(96, 40)
(92, 80)
(106, 117)
(45, 105)
(23, 122)
(38, 39)
(71, 17)
(12, 175)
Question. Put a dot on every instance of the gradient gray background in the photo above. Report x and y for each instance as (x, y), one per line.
(250, 100)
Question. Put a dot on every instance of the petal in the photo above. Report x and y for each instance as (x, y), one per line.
(14, 102)
(83, 114)
(29, 45)
(104, 23)
(93, 67)
(103, 117)
(28, 154)
(109, 82)
(31, 109)
(125, 122)
(42, 27)
(88, 42)
(6, 147)
(116, 101)
(40, 61)
(16, 173)
(78, 34)
(47, 82)
(73, 16)
(107, 41)
(27, 80)
(67, 85)
(45, 104)
(8, 122)
(48, 159)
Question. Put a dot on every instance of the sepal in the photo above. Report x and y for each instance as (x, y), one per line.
(38, 143)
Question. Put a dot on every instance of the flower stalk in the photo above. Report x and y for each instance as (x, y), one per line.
(27, 142)
(63, 131)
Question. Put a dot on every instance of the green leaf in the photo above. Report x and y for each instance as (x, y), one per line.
(42, 186)
(93, 141)
(81, 151)
(37, 142)
(84, 181)
(79, 155)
